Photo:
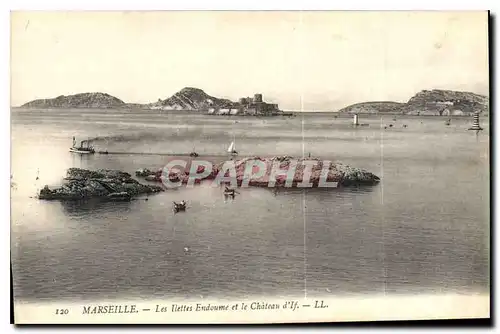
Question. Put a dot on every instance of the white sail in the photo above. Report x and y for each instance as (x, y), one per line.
(231, 147)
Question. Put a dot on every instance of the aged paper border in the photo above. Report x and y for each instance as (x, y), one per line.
(341, 309)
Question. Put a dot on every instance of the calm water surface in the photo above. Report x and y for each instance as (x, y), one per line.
(423, 229)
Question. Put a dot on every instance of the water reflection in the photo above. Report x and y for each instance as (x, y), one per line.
(321, 191)
(92, 207)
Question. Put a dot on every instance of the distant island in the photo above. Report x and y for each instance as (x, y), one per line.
(82, 100)
(188, 98)
(427, 102)
(434, 102)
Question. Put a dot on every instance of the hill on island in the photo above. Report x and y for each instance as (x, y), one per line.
(427, 102)
(82, 100)
(190, 98)
(373, 107)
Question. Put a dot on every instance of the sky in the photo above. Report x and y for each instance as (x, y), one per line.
(300, 60)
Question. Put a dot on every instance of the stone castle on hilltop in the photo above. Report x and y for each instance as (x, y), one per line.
(248, 106)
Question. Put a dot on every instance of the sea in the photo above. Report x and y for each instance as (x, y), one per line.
(424, 229)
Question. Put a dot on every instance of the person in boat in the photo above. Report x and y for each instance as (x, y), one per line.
(230, 192)
(180, 206)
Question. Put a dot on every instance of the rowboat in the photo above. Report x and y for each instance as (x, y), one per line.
(179, 206)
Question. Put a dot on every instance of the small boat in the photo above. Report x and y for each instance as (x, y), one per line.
(193, 153)
(179, 206)
(231, 149)
(84, 148)
(81, 150)
(230, 192)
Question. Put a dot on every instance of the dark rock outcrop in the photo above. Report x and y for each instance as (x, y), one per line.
(343, 175)
(190, 98)
(83, 100)
(106, 184)
(434, 102)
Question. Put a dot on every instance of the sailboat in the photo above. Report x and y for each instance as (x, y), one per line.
(84, 148)
(193, 153)
(231, 149)
(475, 123)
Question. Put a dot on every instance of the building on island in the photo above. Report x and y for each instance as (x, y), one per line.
(248, 106)
(256, 106)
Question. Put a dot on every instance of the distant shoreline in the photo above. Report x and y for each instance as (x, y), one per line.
(436, 102)
(285, 113)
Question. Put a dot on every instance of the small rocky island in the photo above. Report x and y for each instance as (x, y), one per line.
(343, 175)
(103, 183)
(187, 99)
(436, 102)
(82, 100)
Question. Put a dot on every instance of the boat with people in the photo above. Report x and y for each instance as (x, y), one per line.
(179, 206)
(85, 147)
(230, 192)
(193, 153)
